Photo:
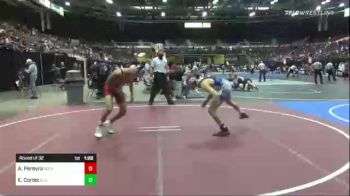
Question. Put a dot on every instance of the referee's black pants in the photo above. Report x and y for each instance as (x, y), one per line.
(160, 83)
(331, 73)
(262, 73)
(318, 72)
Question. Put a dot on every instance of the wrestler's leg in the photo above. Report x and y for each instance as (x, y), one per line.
(121, 113)
(252, 86)
(234, 105)
(214, 105)
(122, 104)
(109, 107)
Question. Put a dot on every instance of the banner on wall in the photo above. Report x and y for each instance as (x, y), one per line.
(57, 8)
(231, 58)
(45, 3)
(54, 7)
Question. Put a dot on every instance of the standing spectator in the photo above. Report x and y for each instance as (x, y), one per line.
(317, 67)
(178, 79)
(194, 68)
(222, 68)
(102, 75)
(186, 74)
(172, 81)
(341, 68)
(33, 75)
(160, 69)
(262, 71)
(252, 67)
(147, 74)
(63, 70)
(330, 71)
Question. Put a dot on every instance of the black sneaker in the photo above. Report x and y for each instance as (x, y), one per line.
(33, 97)
(243, 115)
(223, 133)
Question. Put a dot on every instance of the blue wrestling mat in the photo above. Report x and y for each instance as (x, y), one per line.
(333, 111)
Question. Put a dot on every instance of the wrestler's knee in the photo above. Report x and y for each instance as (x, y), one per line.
(109, 103)
(212, 111)
(122, 109)
(122, 112)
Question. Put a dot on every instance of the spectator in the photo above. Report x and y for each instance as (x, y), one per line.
(252, 67)
(172, 79)
(330, 71)
(33, 74)
(178, 79)
(341, 68)
(103, 72)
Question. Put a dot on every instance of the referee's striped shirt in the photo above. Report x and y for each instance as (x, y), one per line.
(159, 65)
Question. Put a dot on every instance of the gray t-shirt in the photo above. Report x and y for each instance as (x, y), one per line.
(32, 70)
(317, 66)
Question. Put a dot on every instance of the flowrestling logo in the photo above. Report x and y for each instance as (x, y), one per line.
(309, 12)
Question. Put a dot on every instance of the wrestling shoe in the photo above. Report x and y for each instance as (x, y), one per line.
(99, 131)
(243, 115)
(223, 133)
(108, 126)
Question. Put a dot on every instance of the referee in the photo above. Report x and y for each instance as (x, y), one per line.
(317, 67)
(262, 72)
(160, 69)
(330, 71)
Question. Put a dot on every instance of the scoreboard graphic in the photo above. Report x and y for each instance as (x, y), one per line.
(56, 169)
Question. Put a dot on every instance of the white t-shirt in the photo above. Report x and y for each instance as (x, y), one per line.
(329, 66)
(159, 66)
(341, 67)
(262, 66)
(147, 67)
(293, 67)
(187, 70)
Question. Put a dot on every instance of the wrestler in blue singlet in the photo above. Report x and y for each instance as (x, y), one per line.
(224, 86)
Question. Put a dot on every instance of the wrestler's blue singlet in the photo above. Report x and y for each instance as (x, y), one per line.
(225, 87)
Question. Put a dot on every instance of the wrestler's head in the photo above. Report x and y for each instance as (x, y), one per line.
(160, 54)
(192, 82)
(234, 77)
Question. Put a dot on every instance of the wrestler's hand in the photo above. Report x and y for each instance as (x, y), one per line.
(207, 100)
